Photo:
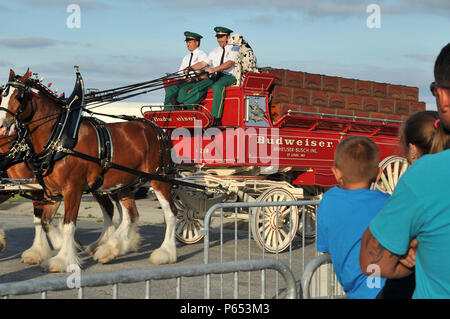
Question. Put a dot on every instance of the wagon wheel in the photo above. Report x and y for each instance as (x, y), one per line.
(310, 222)
(274, 227)
(189, 228)
(393, 167)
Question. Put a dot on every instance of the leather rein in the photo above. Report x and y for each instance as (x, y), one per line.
(41, 164)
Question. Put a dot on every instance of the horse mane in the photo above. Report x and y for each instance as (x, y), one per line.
(46, 91)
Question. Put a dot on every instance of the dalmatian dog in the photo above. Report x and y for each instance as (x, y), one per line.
(246, 58)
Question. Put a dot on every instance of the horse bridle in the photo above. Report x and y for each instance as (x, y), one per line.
(22, 97)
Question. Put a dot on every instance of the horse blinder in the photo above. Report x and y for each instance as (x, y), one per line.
(22, 90)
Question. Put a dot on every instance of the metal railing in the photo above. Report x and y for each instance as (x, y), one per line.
(146, 276)
(250, 252)
(319, 280)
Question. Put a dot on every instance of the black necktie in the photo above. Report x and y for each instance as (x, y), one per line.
(223, 55)
(190, 60)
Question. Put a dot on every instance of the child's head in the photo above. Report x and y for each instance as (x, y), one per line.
(421, 134)
(356, 161)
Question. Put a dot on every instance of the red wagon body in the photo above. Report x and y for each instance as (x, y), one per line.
(258, 159)
(303, 142)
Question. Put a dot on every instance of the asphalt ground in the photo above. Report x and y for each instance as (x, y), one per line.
(17, 221)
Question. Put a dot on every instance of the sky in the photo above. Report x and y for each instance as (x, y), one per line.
(121, 42)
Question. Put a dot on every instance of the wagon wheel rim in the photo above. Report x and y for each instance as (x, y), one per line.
(393, 168)
(189, 228)
(275, 227)
(309, 229)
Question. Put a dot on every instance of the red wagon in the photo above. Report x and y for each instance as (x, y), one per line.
(255, 158)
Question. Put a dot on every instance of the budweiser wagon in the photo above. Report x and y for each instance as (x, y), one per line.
(270, 149)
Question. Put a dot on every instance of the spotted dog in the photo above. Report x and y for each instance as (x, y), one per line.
(246, 58)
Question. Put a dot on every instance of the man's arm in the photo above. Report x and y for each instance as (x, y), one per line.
(198, 66)
(372, 252)
(223, 66)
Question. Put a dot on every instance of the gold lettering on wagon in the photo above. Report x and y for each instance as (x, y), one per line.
(185, 119)
(161, 119)
(296, 147)
(179, 119)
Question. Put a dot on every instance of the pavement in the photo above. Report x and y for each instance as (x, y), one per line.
(149, 209)
(16, 220)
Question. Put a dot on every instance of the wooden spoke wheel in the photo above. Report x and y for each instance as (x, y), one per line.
(274, 227)
(189, 228)
(309, 221)
(393, 167)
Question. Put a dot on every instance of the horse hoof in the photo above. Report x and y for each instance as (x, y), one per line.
(107, 252)
(33, 256)
(56, 264)
(30, 261)
(106, 259)
(162, 256)
(3, 244)
(53, 269)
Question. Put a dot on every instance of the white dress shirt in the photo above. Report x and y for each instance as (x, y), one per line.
(231, 54)
(198, 56)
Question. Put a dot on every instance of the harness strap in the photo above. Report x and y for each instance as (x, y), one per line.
(105, 150)
(148, 176)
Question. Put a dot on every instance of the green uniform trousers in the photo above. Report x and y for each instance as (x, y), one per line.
(173, 94)
(198, 93)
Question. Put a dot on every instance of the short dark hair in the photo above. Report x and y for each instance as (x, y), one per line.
(442, 65)
(357, 157)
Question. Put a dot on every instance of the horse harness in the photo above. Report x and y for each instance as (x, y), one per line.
(64, 137)
(17, 150)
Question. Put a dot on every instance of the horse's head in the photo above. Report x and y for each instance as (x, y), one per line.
(13, 102)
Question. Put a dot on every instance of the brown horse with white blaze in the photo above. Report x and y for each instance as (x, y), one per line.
(136, 146)
(44, 210)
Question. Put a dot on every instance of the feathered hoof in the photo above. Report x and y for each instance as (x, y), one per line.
(33, 256)
(162, 256)
(107, 252)
(56, 264)
(133, 243)
(3, 244)
(30, 261)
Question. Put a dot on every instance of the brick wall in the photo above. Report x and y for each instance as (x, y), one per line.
(308, 92)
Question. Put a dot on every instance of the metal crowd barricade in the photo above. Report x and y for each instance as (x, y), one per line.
(319, 280)
(147, 275)
(290, 262)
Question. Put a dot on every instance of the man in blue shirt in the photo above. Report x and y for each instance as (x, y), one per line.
(418, 209)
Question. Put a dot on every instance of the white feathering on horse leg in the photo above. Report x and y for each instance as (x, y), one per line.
(124, 239)
(55, 235)
(67, 255)
(107, 232)
(167, 253)
(2, 240)
(40, 250)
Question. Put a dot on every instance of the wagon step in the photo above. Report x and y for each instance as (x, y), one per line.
(19, 186)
